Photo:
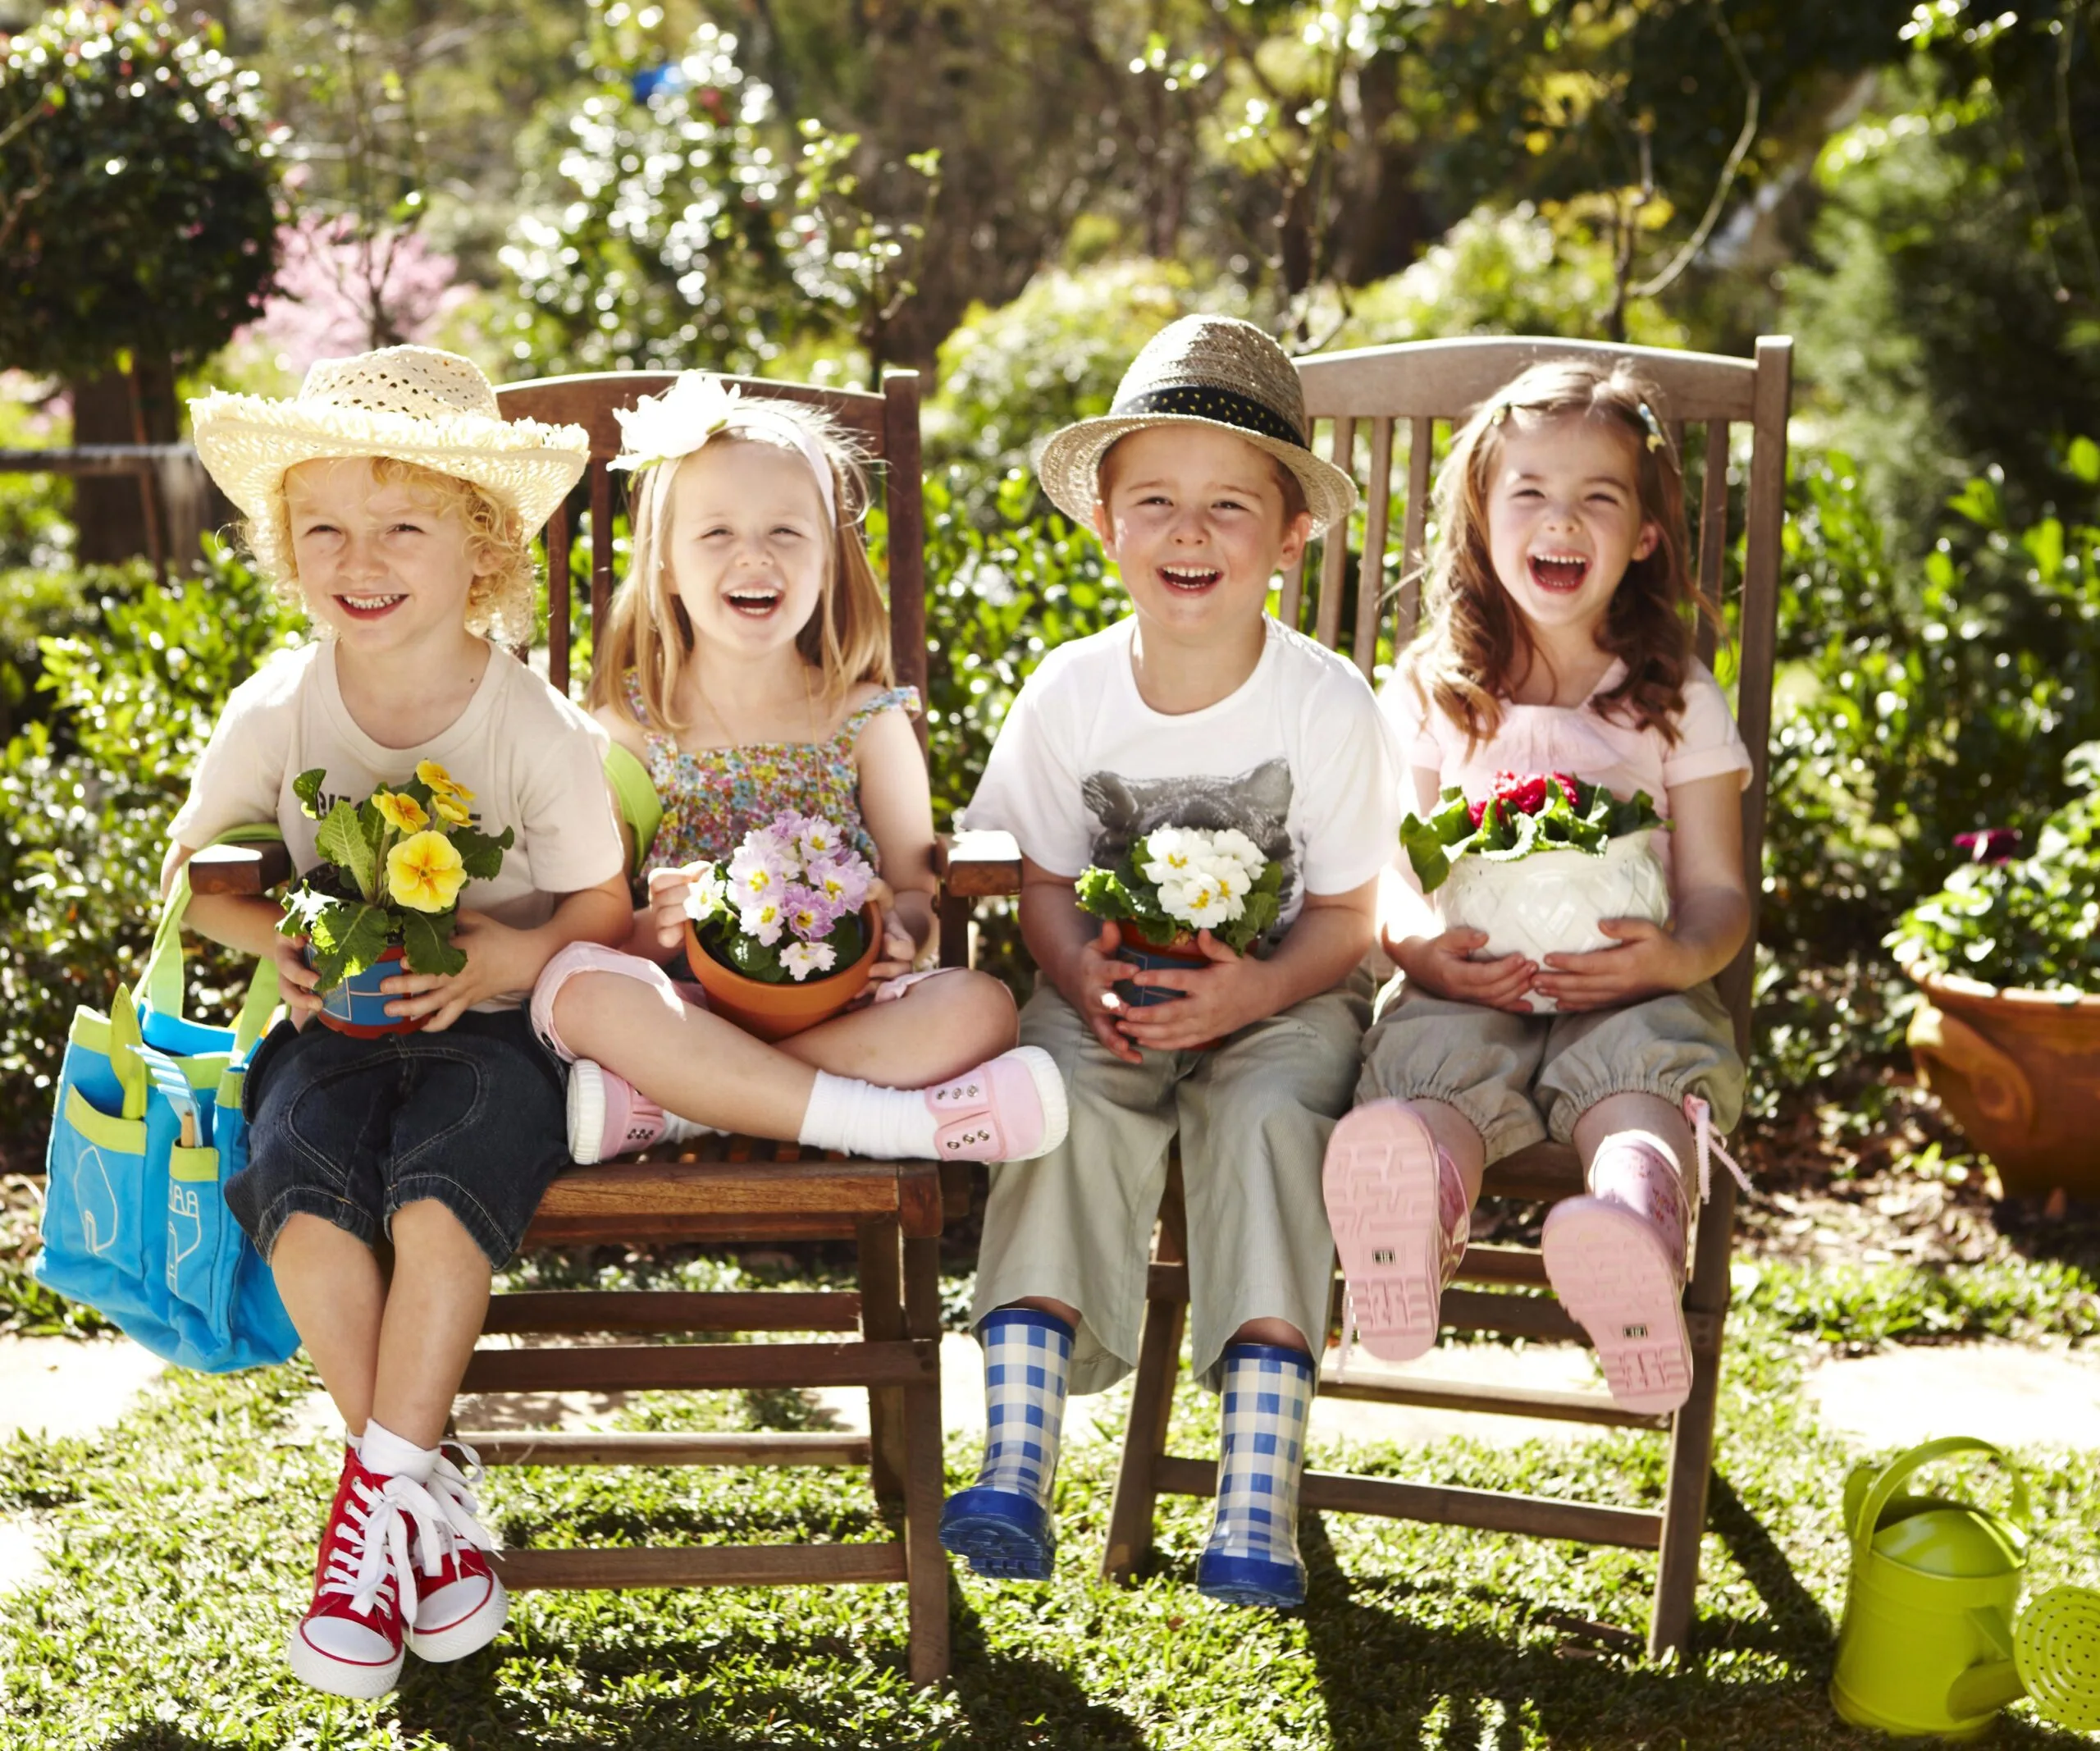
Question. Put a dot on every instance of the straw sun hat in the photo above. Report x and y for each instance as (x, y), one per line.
(1213, 371)
(413, 403)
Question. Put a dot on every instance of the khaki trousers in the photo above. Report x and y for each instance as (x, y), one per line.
(1252, 1114)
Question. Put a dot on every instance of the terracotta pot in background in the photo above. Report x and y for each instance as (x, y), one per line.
(773, 1012)
(357, 1007)
(2020, 1072)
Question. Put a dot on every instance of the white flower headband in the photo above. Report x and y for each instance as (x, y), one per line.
(699, 406)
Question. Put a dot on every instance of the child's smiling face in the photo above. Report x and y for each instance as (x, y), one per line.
(1194, 520)
(748, 544)
(382, 564)
(1563, 519)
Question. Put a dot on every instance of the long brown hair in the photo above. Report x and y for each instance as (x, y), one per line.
(845, 641)
(1475, 643)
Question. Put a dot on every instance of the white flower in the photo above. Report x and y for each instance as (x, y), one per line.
(815, 838)
(663, 428)
(1229, 842)
(704, 897)
(761, 920)
(1230, 874)
(1199, 903)
(801, 959)
(1172, 854)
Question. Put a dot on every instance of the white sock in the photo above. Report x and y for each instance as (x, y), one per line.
(1268, 1396)
(387, 1455)
(858, 1118)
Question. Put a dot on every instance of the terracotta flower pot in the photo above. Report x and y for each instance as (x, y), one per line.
(1552, 902)
(773, 1012)
(1182, 952)
(357, 1007)
(2020, 1072)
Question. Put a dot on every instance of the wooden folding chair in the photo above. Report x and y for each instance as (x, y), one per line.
(1385, 392)
(733, 1190)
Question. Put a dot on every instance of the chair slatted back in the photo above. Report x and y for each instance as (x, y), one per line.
(1378, 404)
(884, 425)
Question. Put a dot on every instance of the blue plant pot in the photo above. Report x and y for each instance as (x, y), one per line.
(357, 1007)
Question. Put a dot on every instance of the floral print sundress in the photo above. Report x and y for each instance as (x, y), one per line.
(711, 799)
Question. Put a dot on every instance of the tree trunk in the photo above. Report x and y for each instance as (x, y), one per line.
(119, 517)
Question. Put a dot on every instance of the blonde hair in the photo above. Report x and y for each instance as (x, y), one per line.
(500, 600)
(648, 632)
(1475, 641)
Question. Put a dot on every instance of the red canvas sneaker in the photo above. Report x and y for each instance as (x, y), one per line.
(349, 1643)
(460, 1605)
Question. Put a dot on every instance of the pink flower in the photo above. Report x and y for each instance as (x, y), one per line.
(843, 879)
(1993, 845)
(811, 914)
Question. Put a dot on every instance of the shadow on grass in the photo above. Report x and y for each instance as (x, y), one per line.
(1795, 1627)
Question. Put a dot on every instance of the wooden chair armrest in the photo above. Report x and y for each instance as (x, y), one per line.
(239, 869)
(978, 866)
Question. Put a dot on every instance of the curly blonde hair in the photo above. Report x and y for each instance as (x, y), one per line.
(500, 603)
(1474, 642)
(648, 632)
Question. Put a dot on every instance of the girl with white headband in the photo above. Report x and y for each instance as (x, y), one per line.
(746, 673)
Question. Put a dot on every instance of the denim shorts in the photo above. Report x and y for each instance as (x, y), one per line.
(350, 1130)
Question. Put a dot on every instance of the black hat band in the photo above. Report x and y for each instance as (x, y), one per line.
(1199, 401)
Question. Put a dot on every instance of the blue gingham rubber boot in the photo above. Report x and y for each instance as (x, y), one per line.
(1002, 1523)
(1252, 1558)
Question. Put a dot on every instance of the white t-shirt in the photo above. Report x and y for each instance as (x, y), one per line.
(534, 761)
(1296, 758)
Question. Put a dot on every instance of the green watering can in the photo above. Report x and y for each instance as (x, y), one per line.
(1929, 1643)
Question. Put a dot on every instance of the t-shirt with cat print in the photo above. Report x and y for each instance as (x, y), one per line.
(1297, 758)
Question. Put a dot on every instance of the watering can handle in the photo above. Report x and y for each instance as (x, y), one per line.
(1899, 1470)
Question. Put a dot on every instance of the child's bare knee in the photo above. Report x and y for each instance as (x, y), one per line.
(588, 1003)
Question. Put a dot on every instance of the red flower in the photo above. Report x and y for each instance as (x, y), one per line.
(1567, 782)
(1477, 811)
(1526, 794)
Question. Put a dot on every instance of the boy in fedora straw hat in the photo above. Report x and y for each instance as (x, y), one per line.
(393, 502)
(1198, 711)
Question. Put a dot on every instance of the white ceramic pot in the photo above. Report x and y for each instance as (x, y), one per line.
(1552, 902)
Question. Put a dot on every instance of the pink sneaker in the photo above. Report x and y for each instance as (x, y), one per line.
(1010, 1109)
(608, 1116)
(1398, 1212)
(1621, 1279)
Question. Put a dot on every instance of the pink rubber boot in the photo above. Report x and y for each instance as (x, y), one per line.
(1616, 1260)
(1401, 1215)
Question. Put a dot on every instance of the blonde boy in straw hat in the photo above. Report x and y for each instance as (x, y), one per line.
(392, 501)
(1197, 710)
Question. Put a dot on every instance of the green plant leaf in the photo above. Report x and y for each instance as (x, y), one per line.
(346, 938)
(344, 842)
(427, 943)
(480, 854)
(306, 788)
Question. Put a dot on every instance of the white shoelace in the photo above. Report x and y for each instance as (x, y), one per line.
(1707, 1141)
(446, 1513)
(368, 1557)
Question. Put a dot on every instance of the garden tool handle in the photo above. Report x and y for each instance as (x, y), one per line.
(1899, 1470)
(2001, 1086)
(160, 983)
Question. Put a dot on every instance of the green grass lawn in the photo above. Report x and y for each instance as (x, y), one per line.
(182, 1547)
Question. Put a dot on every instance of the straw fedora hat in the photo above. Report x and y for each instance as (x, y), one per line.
(1214, 371)
(413, 403)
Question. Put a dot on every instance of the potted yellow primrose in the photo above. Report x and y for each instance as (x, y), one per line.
(386, 894)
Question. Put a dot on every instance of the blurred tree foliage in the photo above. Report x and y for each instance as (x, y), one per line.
(137, 191)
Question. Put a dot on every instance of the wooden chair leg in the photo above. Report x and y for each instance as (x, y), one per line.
(1129, 1548)
(1691, 1432)
(926, 1563)
(882, 1320)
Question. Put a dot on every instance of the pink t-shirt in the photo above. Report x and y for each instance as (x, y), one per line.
(1572, 738)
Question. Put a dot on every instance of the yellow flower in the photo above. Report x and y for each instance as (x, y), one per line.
(441, 782)
(451, 810)
(425, 872)
(402, 812)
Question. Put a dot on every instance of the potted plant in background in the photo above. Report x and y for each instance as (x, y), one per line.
(2007, 1035)
(386, 891)
(784, 937)
(1538, 865)
(1173, 883)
